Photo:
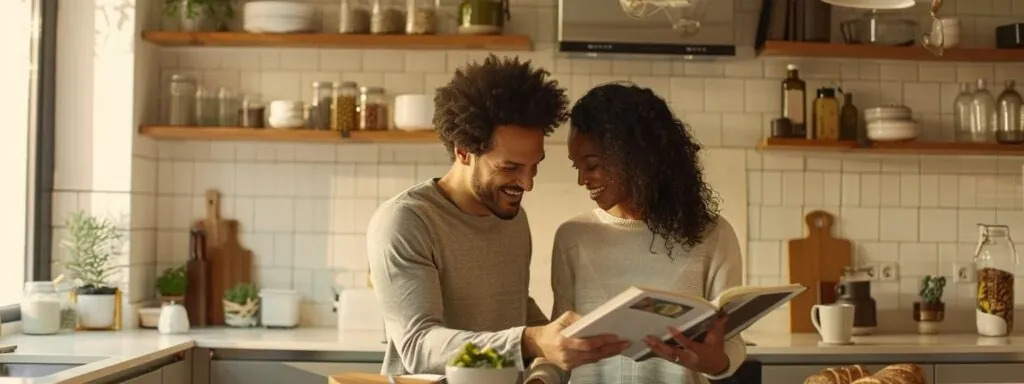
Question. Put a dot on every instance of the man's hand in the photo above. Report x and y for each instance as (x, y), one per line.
(568, 353)
(708, 357)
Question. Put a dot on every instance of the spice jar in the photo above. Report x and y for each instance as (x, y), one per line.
(182, 101)
(387, 18)
(372, 109)
(345, 116)
(40, 309)
(250, 114)
(320, 108)
(826, 115)
(421, 17)
(354, 17)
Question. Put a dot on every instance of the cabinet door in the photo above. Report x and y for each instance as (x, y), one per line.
(248, 372)
(798, 373)
(978, 373)
(153, 377)
(178, 372)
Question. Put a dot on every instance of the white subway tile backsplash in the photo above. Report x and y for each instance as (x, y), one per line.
(938, 224)
(898, 224)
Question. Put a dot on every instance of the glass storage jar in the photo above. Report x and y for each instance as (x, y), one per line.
(207, 107)
(387, 17)
(983, 111)
(963, 116)
(320, 107)
(354, 17)
(227, 104)
(1008, 122)
(421, 17)
(372, 109)
(344, 116)
(996, 261)
(181, 101)
(40, 309)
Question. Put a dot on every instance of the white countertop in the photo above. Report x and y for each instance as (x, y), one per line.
(119, 350)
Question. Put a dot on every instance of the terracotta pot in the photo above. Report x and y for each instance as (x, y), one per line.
(928, 316)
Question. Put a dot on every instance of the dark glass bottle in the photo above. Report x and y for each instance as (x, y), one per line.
(794, 102)
(849, 119)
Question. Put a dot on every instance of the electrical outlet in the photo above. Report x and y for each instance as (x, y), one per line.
(888, 271)
(964, 273)
(871, 270)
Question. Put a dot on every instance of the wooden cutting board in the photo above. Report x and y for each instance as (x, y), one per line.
(229, 262)
(818, 258)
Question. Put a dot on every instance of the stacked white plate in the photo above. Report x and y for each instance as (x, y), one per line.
(890, 123)
(279, 17)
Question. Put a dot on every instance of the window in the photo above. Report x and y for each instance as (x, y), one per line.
(26, 145)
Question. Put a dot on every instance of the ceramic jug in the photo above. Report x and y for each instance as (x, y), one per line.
(173, 319)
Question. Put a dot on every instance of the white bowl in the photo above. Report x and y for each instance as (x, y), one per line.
(463, 375)
(888, 112)
(279, 8)
(278, 25)
(286, 122)
(892, 130)
(414, 112)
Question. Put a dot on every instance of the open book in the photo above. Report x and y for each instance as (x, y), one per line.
(638, 312)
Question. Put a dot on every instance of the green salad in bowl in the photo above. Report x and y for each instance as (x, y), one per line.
(473, 365)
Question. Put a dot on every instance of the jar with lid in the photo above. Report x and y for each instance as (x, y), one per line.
(995, 259)
(251, 112)
(181, 101)
(983, 111)
(227, 103)
(963, 116)
(207, 107)
(40, 309)
(1008, 122)
(388, 17)
(320, 107)
(354, 17)
(826, 115)
(421, 17)
(345, 116)
(372, 109)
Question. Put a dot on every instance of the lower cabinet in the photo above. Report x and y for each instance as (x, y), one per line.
(178, 372)
(797, 373)
(979, 373)
(290, 372)
(153, 377)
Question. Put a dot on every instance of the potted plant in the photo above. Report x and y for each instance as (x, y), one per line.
(930, 310)
(241, 303)
(171, 285)
(201, 15)
(92, 245)
(473, 365)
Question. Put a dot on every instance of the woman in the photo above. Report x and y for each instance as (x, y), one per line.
(656, 225)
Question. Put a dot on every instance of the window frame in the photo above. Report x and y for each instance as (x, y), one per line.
(38, 252)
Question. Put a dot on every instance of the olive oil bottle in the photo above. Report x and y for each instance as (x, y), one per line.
(794, 102)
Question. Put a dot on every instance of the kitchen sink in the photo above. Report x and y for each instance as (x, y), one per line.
(39, 365)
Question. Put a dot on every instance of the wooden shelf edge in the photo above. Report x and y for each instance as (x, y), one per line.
(335, 40)
(892, 148)
(863, 51)
(284, 135)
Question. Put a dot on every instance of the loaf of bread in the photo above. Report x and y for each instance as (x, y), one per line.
(838, 375)
(858, 374)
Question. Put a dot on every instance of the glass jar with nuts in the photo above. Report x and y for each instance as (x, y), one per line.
(421, 17)
(373, 109)
(388, 17)
(354, 17)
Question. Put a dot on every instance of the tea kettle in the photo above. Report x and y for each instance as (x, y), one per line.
(173, 319)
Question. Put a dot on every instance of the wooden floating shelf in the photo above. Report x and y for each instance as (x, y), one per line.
(879, 52)
(891, 148)
(335, 40)
(285, 135)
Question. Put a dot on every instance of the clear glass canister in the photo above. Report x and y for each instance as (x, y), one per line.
(388, 17)
(181, 101)
(251, 112)
(1008, 126)
(207, 107)
(40, 309)
(227, 107)
(983, 111)
(320, 107)
(421, 17)
(345, 115)
(996, 260)
(963, 118)
(372, 109)
(354, 17)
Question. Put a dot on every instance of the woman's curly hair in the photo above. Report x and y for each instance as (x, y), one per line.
(481, 97)
(652, 154)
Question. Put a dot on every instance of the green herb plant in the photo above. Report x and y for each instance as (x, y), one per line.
(220, 11)
(92, 244)
(241, 293)
(471, 356)
(172, 282)
(931, 289)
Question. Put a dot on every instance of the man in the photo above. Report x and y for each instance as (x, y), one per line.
(450, 257)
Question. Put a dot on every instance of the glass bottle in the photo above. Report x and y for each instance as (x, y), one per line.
(996, 260)
(227, 106)
(354, 17)
(983, 111)
(826, 115)
(963, 118)
(372, 109)
(387, 17)
(1008, 126)
(182, 102)
(794, 100)
(207, 107)
(40, 309)
(849, 118)
(421, 17)
(344, 116)
(320, 107)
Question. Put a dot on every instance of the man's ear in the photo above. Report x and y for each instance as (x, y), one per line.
(462, 156)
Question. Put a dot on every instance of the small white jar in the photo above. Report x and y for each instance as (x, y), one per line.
(279, 308)
(40, 309)
(286, 114)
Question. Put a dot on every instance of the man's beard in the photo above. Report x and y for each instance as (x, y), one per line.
(491, 197)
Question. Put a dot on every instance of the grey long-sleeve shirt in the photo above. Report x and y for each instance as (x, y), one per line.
(444, 277)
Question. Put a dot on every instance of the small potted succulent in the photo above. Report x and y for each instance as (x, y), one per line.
(930, 310)
(241, 304)
(93, 245)
(472, 365)
(171, 285)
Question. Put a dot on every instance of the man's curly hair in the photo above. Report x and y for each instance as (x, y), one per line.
(651, 154)
(481, 97)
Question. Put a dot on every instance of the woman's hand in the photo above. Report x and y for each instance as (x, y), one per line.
(708, 357)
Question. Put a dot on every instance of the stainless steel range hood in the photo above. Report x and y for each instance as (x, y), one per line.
(600, 28)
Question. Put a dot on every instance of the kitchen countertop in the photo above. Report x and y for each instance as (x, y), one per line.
(115, 351)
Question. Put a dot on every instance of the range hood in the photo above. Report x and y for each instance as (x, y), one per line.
(602, 28)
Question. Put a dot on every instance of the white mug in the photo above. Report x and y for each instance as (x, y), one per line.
(834, 322)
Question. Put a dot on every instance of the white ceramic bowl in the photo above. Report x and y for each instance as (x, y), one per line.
(888, 112)
(149, 317)
(892, 130)
(414, 112)
(279, 9)
(278, 25)
(286, 122)
(462, 375)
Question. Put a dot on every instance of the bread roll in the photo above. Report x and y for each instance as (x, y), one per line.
(869, 380)
(818, 378)
(902, 374)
